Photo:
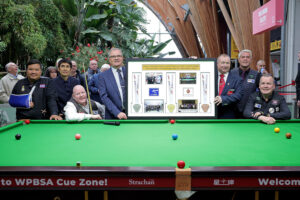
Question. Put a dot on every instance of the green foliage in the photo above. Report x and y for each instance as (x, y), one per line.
(48, 29)
(50, 20)
(114, 24)
(35, 43)
(26, 28)
(83, 54)
(2, 46)
(35, 27)
(70, 6)
(147, 48)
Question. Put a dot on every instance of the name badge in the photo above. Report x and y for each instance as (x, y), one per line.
(271, 110)
(42, 85)
(251, 81)
(275, 102)
(153, 92)
(230, 92)
(257, 105)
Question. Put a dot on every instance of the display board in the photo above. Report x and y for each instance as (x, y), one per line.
(171, 88)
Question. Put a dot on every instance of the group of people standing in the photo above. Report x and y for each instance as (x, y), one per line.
(242, 92)
(246, 93)
(63, 93)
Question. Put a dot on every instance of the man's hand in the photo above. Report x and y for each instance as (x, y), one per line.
(122, 115)
(55, 117)
(96, 117)
(256, 115)
(31, 104)
(298, 103)
(218, 100)
(267, 120)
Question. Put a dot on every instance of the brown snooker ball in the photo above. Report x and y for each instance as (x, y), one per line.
(288, 135)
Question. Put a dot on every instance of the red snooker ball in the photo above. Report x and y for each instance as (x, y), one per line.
(27, 121)
(77, 136)
(288, 135)
(172, 121)
(181, 164)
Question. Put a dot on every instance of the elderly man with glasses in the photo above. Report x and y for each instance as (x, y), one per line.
(112, 86)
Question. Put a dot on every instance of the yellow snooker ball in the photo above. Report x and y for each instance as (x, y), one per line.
(276, 130)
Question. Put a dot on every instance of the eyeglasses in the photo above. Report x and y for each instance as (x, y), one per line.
(117, 56)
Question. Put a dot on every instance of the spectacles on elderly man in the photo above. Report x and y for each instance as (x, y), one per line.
(116, 56)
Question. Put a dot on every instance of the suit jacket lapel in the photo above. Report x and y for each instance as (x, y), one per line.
(113, 81)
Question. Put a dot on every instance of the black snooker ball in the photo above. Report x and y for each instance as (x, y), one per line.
(18, 136)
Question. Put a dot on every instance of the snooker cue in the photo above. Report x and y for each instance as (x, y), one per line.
(86, 195)
(276, 195)
(88, 92)
(105, 195)
(256, 195)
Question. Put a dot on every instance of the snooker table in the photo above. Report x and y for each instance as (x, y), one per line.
(141, 155)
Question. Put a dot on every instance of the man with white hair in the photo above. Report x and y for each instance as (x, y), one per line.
(93, 69)
(78, 107)
(230, 90)
(250, 79)
(8, 82)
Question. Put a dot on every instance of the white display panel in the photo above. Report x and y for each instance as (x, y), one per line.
(171, 88)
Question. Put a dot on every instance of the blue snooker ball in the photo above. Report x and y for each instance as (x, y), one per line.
(174, 136)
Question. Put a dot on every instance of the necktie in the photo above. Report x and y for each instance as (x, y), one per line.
(122, 83)
(243, 75)
(221, 84)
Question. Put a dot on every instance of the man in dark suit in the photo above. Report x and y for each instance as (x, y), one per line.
(250, 79)
(94, 83)
(230, 89)
(112, 86)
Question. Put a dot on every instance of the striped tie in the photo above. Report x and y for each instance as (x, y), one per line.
(122, 82)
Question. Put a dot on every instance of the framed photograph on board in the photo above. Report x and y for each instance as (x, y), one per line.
(171, 88)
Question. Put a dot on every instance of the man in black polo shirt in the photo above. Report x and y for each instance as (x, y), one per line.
(64, 84)
(267, 105)
(43, 104)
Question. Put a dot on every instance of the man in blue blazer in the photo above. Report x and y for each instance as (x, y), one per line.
(230, 89)
(94, 84)
(112, 86)
(250, 79)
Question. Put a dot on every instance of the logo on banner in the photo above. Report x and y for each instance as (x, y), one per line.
(153, 92)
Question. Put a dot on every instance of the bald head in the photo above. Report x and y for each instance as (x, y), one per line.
(79, 95)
